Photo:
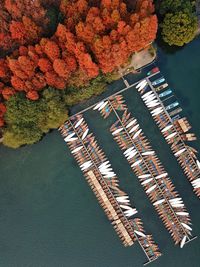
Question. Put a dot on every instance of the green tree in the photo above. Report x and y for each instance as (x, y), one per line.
(173, 6)
(27, 120)
(179, 29)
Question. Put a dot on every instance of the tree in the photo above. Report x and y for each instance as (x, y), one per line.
(179, 29)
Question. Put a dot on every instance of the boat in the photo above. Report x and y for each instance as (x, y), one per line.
(142, 86)
(139, 233)
(183, 241)
(154, 70)
(128, 150)
(136, 163)
(179, 152)
(103, 105)
(140, 83)
(151, 189)
(148, 153)
(137, 133)
(170, 136)
(147, 94)
(131, 123)
(167, 128)
(131, 155)
(147, 181)
(158, 81)
(186, 226)
(130, 212)
(117, 131)
(85, 134)
(165, 93)
(157, 112)
(182, 213)
(161, 87)
(159, 202)
(173, 105)
(78, 123)
(69, 136)
(104, 164)
(198, 164)
(98, 105)
(77, 149)
(134, 128)
(144, 176)
(70, 139)
(161, 175)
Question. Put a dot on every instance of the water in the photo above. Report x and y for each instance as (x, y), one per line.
(49, 216)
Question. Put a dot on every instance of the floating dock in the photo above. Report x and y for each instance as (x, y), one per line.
(173, 130)
(105, 185)
(147, 167)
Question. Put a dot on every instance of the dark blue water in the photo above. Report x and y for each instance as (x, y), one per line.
(49, 217)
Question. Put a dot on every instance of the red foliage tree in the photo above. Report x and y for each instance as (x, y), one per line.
(32, 95)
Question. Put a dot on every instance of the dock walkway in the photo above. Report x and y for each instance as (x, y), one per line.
(106, 190)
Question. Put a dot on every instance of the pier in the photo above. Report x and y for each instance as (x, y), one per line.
(187, 159)
(160, 189)
(93, 163)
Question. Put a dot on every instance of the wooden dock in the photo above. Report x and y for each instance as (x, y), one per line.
(164, 189)
(106, 190)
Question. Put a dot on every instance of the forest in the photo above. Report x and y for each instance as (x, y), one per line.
(55, 54)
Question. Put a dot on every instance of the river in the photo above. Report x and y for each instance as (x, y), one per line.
(49, 216)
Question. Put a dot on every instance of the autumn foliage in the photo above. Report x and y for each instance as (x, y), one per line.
(92, 39)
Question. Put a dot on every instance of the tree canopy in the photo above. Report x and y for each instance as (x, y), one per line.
(179, 29)
(178, 21)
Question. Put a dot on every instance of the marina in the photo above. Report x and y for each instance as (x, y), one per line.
(149, 170)
(105, 185)
(176, 135)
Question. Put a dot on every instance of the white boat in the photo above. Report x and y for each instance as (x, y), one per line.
(176, 199)
(140, 83)
(170, 136)
(167, 128)
(177, 205)
(69, 136)
(134, 128)
(128, 150)
(161, 175)
(104, 164)
(196, 181)
(117, 131)
(144, 176)
(158, 202)
(198, 164)
(153, 105)
(156, 113)
(182, 213)
(183, 241)
(130, 213)
(147, 94)
(136, 163)
(125, 207)
(147, 181)
(131, 123)
(98, 105)
(196, 186)
(86, 167)
(179, 152)
(142, 87)
(77, 149)
(186, 226)
(137, 133)
(132, 155)
(103, 105)
(156, 109)
(71, 139)
(110, 175)
(85, 134)
(123, 199)
(105, 171)
(148, 153)
(151, 189)
(139, 233)
(78, 123)
(85, 163)
(149, 98)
